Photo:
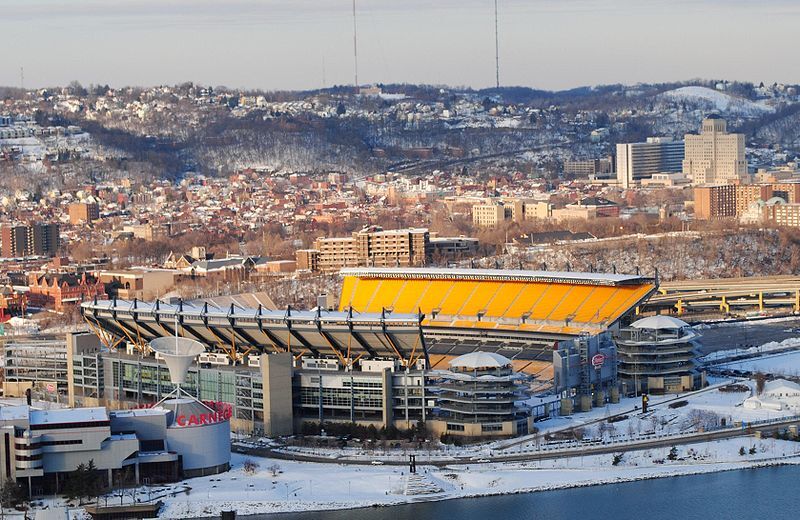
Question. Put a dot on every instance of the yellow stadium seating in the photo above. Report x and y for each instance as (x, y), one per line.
(572, 302)
(552, 299)
(384, 295)
(525, 300)
(503, 298)
(480, 298)
(456, 296)
(589, 307)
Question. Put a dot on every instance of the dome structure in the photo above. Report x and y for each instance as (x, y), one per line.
(659, 322)
(475, 360)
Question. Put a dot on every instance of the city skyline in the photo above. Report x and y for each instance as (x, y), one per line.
(278, 45)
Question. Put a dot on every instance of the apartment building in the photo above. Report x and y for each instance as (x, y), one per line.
(784, 215)
(372, 246)
(734, 200)
(714, 156)
(637, 161)
(715, 202)
(29, 240)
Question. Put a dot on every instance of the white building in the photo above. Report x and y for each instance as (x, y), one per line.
(779, 394)
(714, 156)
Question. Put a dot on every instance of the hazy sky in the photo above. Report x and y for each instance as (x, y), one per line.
(283, 44)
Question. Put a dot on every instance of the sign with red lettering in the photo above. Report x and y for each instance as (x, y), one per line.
(598, 360)
(219, 412)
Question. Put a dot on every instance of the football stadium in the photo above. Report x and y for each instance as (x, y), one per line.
(376, 357)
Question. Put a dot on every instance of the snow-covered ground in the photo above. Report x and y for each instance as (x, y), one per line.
(311, 486)
(720, 101)
(784, 364)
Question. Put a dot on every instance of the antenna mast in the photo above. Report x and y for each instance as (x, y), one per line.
(496, 48)
(355, 45)
(22, 78)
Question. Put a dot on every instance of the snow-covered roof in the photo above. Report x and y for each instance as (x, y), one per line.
(69, 415)
(659, 322)
(480, 360)
(781, 386)
(14, 412)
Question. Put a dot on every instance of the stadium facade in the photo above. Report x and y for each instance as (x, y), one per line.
(370, 360)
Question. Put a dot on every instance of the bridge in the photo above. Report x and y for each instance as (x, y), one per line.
(727, 295)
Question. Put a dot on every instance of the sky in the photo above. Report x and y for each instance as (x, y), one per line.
(307, 44)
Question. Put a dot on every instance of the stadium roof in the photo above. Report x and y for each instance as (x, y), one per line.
(346, 335)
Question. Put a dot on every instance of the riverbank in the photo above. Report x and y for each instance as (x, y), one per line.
(324, 487)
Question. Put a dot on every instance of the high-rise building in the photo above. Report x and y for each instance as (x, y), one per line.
(14, 240)
(29, 240)
(636, 161)
(714, 202)
(714, 156)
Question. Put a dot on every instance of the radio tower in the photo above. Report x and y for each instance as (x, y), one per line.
(355, 46)
(22, 78)
(496, 49)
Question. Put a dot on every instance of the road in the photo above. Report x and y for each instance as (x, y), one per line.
(536, 455)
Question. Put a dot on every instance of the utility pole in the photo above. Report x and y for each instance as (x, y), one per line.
(496, 48)
(355, 46)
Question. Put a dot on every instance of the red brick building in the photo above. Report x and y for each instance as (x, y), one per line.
(60, 290)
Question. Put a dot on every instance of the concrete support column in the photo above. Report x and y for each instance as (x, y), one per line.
(386, 377)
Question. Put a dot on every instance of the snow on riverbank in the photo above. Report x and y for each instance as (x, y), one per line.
(312, 486)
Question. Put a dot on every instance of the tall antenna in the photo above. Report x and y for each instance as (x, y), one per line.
(496, 48)
(22, 78)
(355, 45)
(324, 83)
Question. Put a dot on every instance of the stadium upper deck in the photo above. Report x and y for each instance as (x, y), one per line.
(557, 303)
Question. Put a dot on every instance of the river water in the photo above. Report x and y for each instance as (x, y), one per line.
(743, 494)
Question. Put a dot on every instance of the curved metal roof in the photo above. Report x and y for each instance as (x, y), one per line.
(659, 322)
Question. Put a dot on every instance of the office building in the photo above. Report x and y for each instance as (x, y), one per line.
(589, 168)
(714, 156)
(637, 161)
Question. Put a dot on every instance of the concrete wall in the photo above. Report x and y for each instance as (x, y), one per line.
(276, 371)
(203, 446)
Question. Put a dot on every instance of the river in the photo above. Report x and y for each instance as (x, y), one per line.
(753, 493)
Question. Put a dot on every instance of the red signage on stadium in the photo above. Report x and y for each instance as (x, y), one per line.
(220, 412)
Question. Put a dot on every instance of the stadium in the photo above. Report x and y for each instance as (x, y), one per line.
(366, 361)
